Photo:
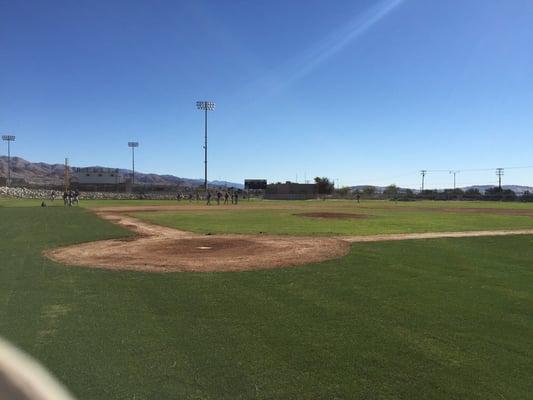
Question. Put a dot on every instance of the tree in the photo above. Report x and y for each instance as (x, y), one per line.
(391, 191)
(369, 191)
(526, 196)
(428, 194)
(324, 185)
(497, 193)
(343, 191)
(473, 194)
(453, 194)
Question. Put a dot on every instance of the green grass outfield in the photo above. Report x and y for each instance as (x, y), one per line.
(254, 203)
(284, 217)
(377, 217)
(427, 319)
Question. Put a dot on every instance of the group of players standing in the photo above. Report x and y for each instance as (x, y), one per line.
(70, 197)
(234, 196)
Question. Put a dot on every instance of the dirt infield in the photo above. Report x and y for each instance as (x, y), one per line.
(160, 249)
(332, 215)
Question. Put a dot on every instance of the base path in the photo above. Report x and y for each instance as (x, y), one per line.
(161, 249)
(435, 235)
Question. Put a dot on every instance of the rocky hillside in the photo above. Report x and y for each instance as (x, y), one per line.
(39, 173)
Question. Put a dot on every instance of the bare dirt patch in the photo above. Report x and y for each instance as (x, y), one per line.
(332, 215)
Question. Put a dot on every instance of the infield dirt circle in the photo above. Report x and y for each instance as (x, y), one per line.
(332, 215)
(160, 249)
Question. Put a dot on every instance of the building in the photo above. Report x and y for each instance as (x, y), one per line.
(291, 191)
(96, 177)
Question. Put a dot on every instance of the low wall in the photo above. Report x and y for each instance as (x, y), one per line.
(44, 194)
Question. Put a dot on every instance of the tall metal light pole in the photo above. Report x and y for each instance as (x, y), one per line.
(206, 106)
(66, 179)
(423, 173)
(133, 145)
(8, 139)
(454, 173)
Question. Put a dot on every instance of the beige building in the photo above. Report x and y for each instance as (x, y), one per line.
(291, 191)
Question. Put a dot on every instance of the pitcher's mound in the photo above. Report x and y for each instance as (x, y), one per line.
(331, 215)
(202, 254)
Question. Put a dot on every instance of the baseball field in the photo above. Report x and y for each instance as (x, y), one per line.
(273, 300)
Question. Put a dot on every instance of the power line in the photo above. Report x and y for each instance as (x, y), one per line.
(479, 169)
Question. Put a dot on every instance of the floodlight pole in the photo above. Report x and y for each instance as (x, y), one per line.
(205, 152)
(205, 106)
(133, 145)
(8, 139)
(132, 166)
(454, 173)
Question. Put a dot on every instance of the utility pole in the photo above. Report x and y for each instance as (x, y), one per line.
(423, 173)
(454, 173)
(499, 174)
(133, 145)
(8, 139)
(206, 106)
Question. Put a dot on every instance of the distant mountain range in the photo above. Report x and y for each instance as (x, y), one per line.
(40, 173)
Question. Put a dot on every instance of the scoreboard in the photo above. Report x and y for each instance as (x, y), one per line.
(255, 184)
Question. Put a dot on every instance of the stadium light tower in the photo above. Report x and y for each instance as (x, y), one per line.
(8, 139)
(454, 173)
(133, 145)
(206, 106)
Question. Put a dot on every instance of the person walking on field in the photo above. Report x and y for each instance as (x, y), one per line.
(236, 196)
(226, 198)
(208, 197)
(76, 197)
(358, 197)
(219, 196)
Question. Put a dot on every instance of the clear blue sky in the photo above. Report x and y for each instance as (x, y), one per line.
(365, 92)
